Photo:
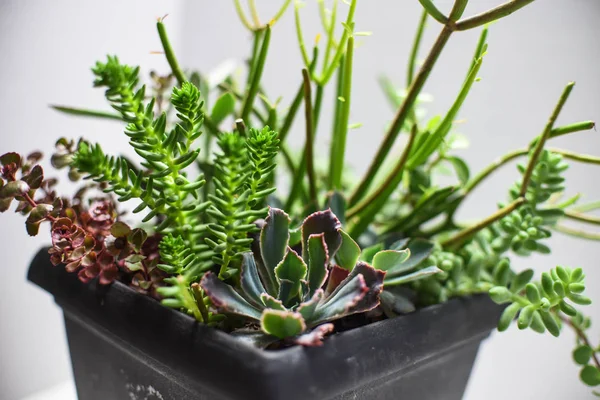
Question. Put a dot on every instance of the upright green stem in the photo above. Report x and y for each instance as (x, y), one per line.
(162, 33)
(401, 115)
(257, 75)
(308, 112)
(242, 15)
(280, 12)
(415, 49)
(341, 46)
(330, 28)
(254, 13)
(544, 136)
(338, 143)
(433, 11)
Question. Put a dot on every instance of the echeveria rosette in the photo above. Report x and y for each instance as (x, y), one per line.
(288, 293)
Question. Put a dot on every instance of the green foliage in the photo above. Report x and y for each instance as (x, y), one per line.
(540, 304)
(243, 180)
(288, 292)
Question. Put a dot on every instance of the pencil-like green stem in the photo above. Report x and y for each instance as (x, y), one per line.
(401, 115)
(457, 10)
(80, 112)
(487, 171)
(491, 15)
(572, 128)
(468, 232)
(257, 75)
(242, 15)
(254, 13)
(280, 12)
(169, 53)
(412, 61)
(340, 48)
(330, 29)
(338, 143)
(590, 219)
(433, 11)
(576, 232)
(544, 136)
(300, 36)
(308, 113)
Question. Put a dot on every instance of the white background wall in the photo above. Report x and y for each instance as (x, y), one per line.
(48, 47)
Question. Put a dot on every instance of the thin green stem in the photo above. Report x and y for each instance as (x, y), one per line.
(256, 36)
(537, 151)
(582, 217)
(412, 61)
(242, 15)
(576, 232)
(289, 118)
(457, 10)
(330, 29)
(433, 11)
(257, 75)
(401, 115)
(254, 13)
(80, 112)
(583, 338)
(337, 115)
(392, 181)
(587, 207)
(341, 46)
(310, 170)
(300, 35)
(468, 232)
(491, 15)
(487, 171)
(280, 12)
(572, 128)
(164, 39)
(338, 142)
(584, 158)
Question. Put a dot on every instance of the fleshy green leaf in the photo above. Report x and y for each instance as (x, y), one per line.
(590, 375)
(582, 355)
(226, 299)
(461, 168)
(307, 309)
(387, 260)
(348, 253)
(318, 259)
(550, 323)
(414, 276)
(337, 203)
(322, 222)
(290, 271)
(520, 280)
(250, 281)
(500, 294)
(271, 302)
(508, 315)
(224, 106)
(273, 244)
(369, 252)
(282, 324)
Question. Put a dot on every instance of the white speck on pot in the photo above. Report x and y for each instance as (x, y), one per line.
(141, 392)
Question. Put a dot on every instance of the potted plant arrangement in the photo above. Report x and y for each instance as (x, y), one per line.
(252, 273)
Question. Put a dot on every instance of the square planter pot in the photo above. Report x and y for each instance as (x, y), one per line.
(125, 346)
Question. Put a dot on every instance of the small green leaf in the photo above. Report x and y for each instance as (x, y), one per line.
(290, 271)
(520, 280)
(389, 259)
(550, 323)
(537, 324)
(420, 274)
(582, 355)
(525, 317)
(369, 252)
(348, 253)
(508, 315)
(590, 375)
(533, 294)
(282, 324)
(120, 229)
(224, 106)
(500, 294)
(461, 168)
(580, 299)
(318, 259)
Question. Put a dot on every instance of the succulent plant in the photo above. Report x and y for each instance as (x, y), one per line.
(288, 284)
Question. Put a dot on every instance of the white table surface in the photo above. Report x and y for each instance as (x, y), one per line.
(63, 391)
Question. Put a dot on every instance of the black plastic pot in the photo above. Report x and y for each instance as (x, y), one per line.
(127, 346)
